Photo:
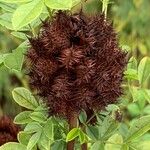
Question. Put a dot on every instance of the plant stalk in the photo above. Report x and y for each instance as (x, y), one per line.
(84, 146)
(73, 117)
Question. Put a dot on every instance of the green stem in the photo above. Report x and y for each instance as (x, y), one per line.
(90, 118)
(105, 7)
(50, 12)
(32, 29)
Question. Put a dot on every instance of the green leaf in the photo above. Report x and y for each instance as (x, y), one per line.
(15, 1)
(125, 47)
(147, 95)
(38, 116)
(49, 129)
(24, 45)
(44, 142)
(5, 20)
(83, 117)
(123, 129)
(23, 137)
(144, 145)
(45, 14)
(33, 140)
(116, 141)
(26, 13)
(144, 70)
(138, 128)
(133, 109)
(137, 93)
(75, 2)
(132, 64)
(42, 109)
(82, 137)
(72, 134)
(58, 145)
(108, 128)
(125, 147)
(92, 132)
(24, 98)
(33, 127)
(140, 145)
(13, 146)
(7, 7)
(147, 110)
(2, 58)
(19, 35)
(97, 146)
(59, 4)
(15, 59)
(140, 95)
(131, 74)
(23, 117)
(142, 100)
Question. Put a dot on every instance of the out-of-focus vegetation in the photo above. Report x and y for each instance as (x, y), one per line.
(131, 19)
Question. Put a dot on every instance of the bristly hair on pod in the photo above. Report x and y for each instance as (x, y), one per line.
(8, 130)
(76, 63)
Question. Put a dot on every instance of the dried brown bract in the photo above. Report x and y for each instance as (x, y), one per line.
(76, 63)
(8, 130)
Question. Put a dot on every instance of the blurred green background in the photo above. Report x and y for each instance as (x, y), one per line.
(131, 20)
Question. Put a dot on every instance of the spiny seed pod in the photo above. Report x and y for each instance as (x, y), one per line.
(76, 63)
(8, 130)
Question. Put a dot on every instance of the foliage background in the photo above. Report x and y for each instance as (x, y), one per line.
(131, 19)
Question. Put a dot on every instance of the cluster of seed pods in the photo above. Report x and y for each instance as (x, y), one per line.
(76, 63)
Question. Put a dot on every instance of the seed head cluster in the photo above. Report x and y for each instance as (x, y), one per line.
(8, 130)
(76, 63)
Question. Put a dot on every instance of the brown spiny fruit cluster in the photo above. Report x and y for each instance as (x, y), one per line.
(76, 63)
(8, 131)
